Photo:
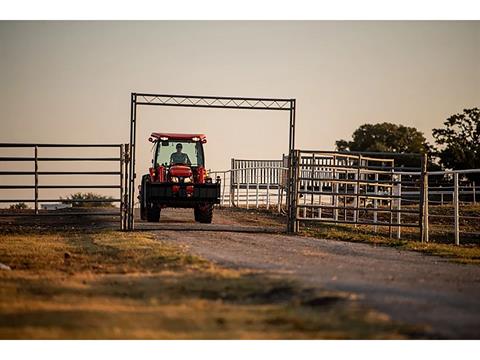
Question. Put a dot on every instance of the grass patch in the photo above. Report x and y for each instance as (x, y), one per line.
(98, 252)
(255, 217)
(112, 285)
(466, 254)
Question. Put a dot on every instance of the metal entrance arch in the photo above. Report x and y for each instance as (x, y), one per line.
(216, 102)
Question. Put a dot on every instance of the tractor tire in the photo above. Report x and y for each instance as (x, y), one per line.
(204, 214)
(153, 214)
(196, 214)
(143, 205)
(143, 211)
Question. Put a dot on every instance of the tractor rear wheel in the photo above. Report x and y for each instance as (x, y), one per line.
(195, 214)
(141, 198)
(204, 214)
(153, 214)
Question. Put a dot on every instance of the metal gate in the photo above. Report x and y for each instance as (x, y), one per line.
(356, 188)
(252, 180)
(115, 173)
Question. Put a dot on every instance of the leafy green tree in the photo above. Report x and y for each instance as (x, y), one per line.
(459, 142)
(387, 137)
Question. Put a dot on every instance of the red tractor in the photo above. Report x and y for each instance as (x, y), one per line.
(178, 178)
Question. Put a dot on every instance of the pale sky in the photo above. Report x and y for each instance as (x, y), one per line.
(71, 81)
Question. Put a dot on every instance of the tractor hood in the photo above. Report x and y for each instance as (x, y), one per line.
(180, 171)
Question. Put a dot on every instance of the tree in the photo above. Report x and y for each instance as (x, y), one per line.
(459, 142)
(387, 137)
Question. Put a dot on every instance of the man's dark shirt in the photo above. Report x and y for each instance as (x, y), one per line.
(179, 158)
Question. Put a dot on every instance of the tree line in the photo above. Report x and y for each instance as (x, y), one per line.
(457, 143)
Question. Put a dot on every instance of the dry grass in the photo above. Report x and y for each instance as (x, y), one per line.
(113, 285)
(469, 253)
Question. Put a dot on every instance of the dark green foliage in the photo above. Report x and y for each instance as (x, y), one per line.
(76, 200)
(459, 142)
(19, 206)
(387, 137)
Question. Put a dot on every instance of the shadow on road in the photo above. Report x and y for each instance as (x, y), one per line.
(183, 220)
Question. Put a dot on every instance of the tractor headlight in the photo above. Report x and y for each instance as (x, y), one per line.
(187, 180)
(174, 179)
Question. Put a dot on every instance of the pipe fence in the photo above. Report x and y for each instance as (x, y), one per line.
(116, 171)
(330, 187)
(353, 188)
(451, 208)
(360, 189)
(253, 192)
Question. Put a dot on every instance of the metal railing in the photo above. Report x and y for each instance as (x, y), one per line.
(250, 189)
(36, 159)
(262, 172)
(352, 188)
(356, 189)
(331, 187)
(455, 192)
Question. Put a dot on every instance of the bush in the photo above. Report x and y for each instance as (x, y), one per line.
(19, 206)
(79, 200)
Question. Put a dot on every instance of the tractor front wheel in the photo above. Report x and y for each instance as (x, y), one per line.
(203, 213)
(153, 214)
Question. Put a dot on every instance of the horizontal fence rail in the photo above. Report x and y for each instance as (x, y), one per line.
(119, 175)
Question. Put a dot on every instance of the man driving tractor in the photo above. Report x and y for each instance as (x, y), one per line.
(178, 157)
(176, 181)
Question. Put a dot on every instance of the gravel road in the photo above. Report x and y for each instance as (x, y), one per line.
(408, 286)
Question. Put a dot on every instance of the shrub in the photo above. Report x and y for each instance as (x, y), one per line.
(78, 200)
(19, 206)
